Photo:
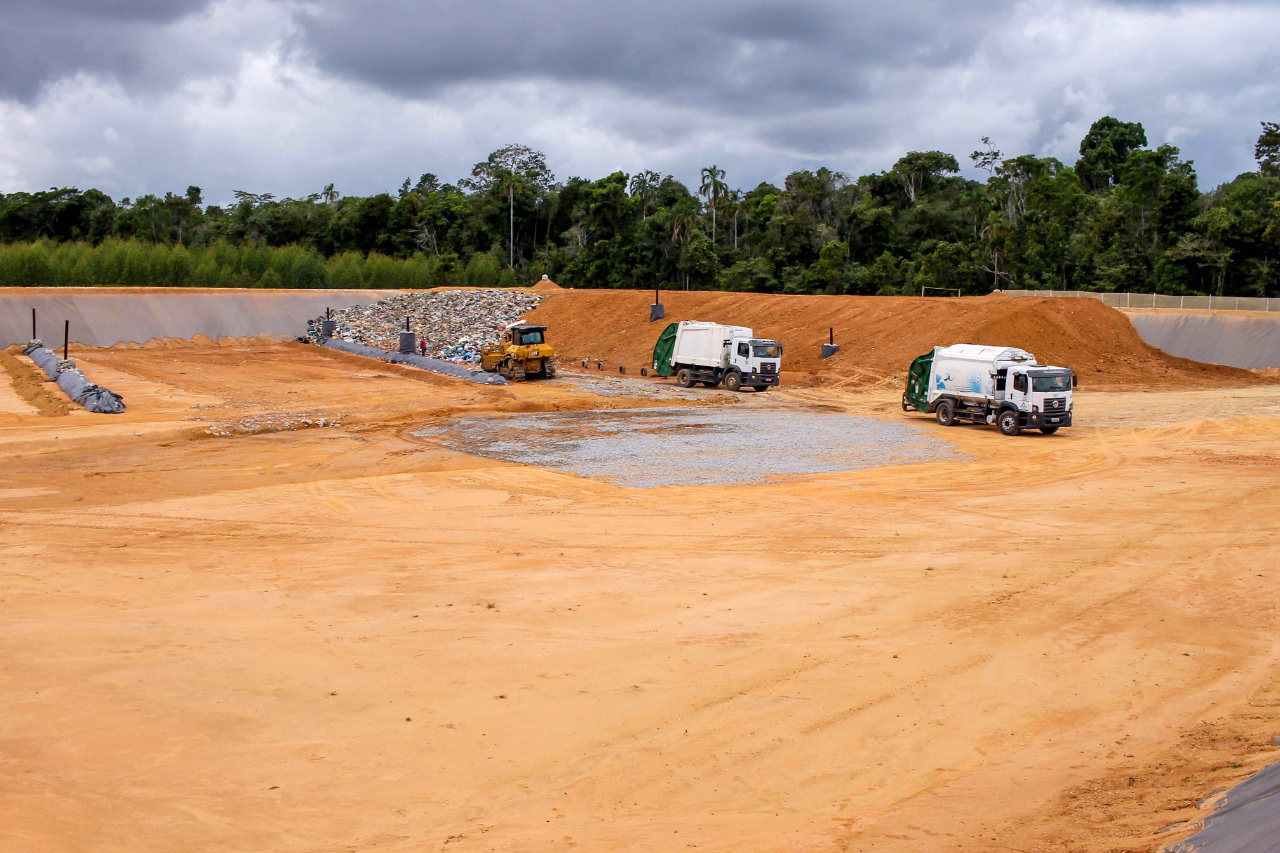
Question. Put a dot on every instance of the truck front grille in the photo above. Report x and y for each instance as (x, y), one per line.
(768, 367)
(1058, 405)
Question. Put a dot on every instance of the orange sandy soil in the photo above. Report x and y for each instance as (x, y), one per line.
(879, 335)
(348, 638)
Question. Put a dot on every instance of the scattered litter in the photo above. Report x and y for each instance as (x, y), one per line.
(271, 422)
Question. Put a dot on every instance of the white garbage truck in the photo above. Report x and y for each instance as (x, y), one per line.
(1004, 386)
(712, 353)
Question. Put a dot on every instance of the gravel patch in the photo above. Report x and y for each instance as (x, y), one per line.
(608, 386)
(644, 448)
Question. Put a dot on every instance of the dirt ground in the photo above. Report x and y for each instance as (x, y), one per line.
(255, 613)
(879, 335)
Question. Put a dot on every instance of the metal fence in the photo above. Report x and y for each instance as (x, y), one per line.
(1160, 300)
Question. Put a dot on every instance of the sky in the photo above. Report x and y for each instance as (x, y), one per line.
(286, 96)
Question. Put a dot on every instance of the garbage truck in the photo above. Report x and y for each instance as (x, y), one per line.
(712, 353)
(1004, 386)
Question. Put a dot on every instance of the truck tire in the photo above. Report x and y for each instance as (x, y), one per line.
(684, 377)
(1049, 430)
(1007, 421)
(733, 381)
(946, 413)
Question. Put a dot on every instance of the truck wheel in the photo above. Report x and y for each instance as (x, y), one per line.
(946, 413)
(684, 377)
(732, 381)
(1049, 430)
(1007, 421)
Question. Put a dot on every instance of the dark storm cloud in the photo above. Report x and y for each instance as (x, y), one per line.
(287, 95)
(722, 55)
(43, 41)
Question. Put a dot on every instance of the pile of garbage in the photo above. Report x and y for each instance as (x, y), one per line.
(455, 323)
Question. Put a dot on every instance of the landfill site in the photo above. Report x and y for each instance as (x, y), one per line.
(519, 570)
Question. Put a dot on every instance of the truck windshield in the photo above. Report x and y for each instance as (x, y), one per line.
(534, 337)
(1055, 382)
(767, 350)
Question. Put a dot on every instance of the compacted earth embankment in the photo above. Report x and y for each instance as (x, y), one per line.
(880, 335)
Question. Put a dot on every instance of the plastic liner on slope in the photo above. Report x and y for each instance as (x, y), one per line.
(1247, 820)
(74, 383)
(1215, 338)
(433, 365)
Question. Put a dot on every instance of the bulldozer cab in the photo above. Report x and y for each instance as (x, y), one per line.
(522, 354)
(524, 335)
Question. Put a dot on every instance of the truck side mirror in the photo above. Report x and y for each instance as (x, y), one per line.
(1075, 380)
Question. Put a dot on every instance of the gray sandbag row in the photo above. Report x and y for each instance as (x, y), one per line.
(434, 365)
(73, 382)
(44, 359)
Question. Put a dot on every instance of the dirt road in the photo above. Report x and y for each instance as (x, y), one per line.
(223, 633)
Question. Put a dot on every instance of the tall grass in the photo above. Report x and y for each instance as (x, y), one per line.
(130, 263)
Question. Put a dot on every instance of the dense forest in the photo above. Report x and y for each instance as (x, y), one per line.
(1124, 217)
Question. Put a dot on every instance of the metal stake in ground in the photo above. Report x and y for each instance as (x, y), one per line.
(656, 310)
(66, 338)
(33, 324)
(830, 349)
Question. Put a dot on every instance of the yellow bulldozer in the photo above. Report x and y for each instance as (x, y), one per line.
(523, 354)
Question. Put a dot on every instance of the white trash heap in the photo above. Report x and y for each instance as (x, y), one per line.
(455, 323)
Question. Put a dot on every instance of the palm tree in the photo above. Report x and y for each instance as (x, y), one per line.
(713, 189)
(735, 196)
(330, 195)
(507, 180)
(683, 220)
(643, 185)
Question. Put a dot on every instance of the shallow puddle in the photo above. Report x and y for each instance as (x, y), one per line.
(688, 446)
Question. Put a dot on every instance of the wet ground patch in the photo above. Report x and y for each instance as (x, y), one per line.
(692, 446)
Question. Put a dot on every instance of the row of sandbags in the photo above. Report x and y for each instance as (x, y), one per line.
(74, 383)
(435, 365)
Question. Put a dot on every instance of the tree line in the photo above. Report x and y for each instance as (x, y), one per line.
(1123, 217)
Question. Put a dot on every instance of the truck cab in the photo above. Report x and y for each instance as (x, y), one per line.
(1038, 397)
(755, 359)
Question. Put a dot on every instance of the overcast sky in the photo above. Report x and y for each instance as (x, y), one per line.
(138, 96)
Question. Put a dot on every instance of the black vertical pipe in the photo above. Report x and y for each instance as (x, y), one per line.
(406, 324)
(655, 294)
(831, 334)
(328, 313)
(66, 337)
(33, 324)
